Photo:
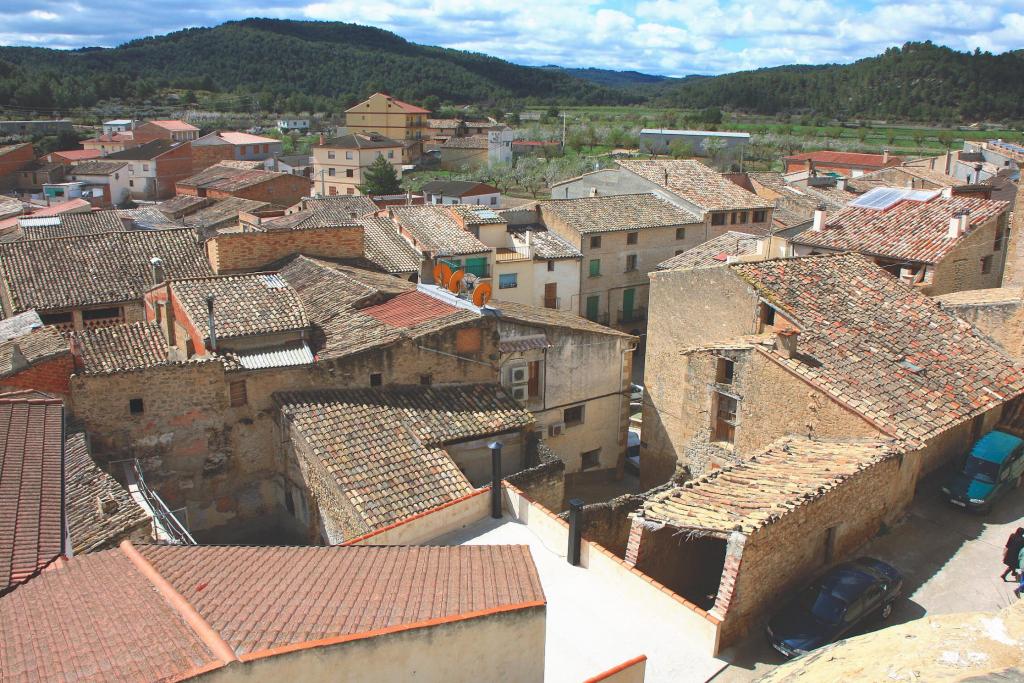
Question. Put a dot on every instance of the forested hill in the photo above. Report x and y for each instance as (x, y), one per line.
(291, 65)
(329, 66)
(918, 82)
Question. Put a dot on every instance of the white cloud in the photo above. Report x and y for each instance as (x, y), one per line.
(675, 37)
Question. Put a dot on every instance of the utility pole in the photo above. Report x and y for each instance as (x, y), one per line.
(563, 132)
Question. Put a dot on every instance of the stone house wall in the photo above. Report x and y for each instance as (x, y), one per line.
(961, 268)
(247, 251)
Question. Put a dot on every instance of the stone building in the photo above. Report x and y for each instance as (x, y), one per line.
(997, 313)
(822, 346)
(574, 376)
(939, 243)
(362, 459)
(93, 280)
(738, 540)
(621, 238)
(226, 180)
(694, 187)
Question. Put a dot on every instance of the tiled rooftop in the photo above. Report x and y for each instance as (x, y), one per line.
(34, 347)
(76, 224)
(96, 168)
(182, 204)
(714, 252)
(549, 245)
(223, 213)
(696, 183)
(108, 268)
(383, 446)
(435, 229)
(228, 178)
(910, 230)
(360, 141)
(100, 511)
(807, 197)
(351, 206)
(549, 317)
(618, 212)
(383, 246)
(244, 305)
(860, 159)
(409, 309)
(120, 348)
(468, 142)
(31, 488)
(746, 496)
(863, 333)
(334, 296)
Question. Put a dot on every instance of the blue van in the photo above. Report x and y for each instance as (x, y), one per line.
(992, 467)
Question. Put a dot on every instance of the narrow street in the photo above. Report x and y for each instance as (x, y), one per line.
(951, 559)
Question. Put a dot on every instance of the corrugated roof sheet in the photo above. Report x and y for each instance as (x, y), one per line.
(297, 353)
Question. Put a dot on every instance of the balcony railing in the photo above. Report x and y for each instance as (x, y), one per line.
(634, 315)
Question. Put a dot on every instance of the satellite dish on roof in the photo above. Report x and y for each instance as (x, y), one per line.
(455, 282)
(482, 294)
(442, 274)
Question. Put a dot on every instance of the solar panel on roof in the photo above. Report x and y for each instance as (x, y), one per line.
(881, 198)
(272, 281)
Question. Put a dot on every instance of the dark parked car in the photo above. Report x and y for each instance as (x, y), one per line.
(633, 451)
(994, 466)
(833, 605)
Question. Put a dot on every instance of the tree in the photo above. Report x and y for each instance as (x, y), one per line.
(680, 149)
(381, 178)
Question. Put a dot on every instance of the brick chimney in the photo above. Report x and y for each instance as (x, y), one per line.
(786, 342)
(957, 225)
(885, 156)
(819, 219)
(323, 139)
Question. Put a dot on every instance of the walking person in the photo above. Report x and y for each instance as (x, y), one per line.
(1011, 555)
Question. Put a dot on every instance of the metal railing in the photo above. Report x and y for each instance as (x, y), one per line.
(166, 524)
(633, 315)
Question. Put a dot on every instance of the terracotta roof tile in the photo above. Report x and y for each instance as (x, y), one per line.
(228, 178)
(715, 252)
(351, 206)
(100, 511)
(618, 212)
(96, 168)
(335, 298)
(435, 229)
(696, 183)
(254, 599)
(22, 352)
(31, 487)
(859, 159)
(384, 247)
(749, 495)
(87, 270)
(244, 305)
(549, 245)
(910, 230)
(862, 333)
(118, 348)
(76, 224)
(50, 626)
(383, 446)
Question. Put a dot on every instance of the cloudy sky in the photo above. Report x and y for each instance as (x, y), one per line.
(672, 37)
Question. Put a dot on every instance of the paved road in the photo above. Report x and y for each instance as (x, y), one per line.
(951, 559)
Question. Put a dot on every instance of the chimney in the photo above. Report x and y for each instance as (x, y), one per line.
(885, 156)
(977, 174)
(954, 226)
(819, 219)
(786, 341)
(948, 161)
(495, 447)
(156, 269)
(841, 184)
(947, 192)
(323, 139)
(965, 220)
(212, 322)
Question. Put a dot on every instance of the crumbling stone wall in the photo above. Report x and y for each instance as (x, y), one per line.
(764, 568)
(544, 481)
(961, 268)
(1002, 321)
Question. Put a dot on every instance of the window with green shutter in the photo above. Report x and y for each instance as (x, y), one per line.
(595, 267)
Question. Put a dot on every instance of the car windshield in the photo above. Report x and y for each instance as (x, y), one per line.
(823, 605)
(982, 470)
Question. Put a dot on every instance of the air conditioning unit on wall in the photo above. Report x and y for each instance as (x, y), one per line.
(556, 428)
(519, 374)
(520, 393)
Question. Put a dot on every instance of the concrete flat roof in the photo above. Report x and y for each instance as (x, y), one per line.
(593, 621)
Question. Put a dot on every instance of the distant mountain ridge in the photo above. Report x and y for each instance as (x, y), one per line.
(328, 66)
